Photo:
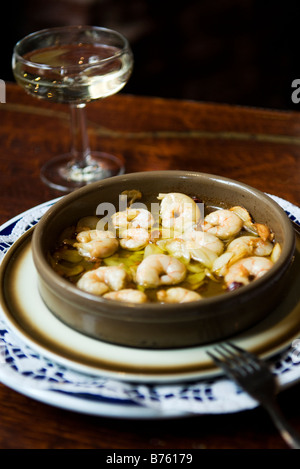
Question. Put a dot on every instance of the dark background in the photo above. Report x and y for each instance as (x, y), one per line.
(242, 52)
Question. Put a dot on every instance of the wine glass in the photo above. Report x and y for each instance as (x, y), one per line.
(74, 65)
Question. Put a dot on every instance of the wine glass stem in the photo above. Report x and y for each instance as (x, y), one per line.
(80, 148)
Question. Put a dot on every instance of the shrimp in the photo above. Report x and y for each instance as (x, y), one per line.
(134, 239)
(178, 211)
(263, 231)
(246, 270)
(223, 223)
(160, 269)
(133, 218)
(197, 245)
(249, 245)
(96, 243)
(177, 295)
(197, 239)
(128, 294)
(103, 279)
(241, 247)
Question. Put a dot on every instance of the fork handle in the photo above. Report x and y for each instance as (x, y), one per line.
(288, 433)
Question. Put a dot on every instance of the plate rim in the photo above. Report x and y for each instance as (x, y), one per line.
(108, 409)
(123, 375)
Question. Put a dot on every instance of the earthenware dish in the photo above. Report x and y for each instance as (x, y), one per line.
(160, 325)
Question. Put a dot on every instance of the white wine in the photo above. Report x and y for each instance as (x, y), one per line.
(74, 73)
(74, 65)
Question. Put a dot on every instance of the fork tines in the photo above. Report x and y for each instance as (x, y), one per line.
(230, 357)
(255, 377)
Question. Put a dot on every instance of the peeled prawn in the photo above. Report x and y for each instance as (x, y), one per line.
(249, 245)
(259, 229)
(178, 211)
(246, 270)
(133, 218)
(128, 295)
(103, 279)
(200, 239)
(241, 247)
(177, 295)
(96, 243)
(223, 223)
(134, 239)
(197, 245)
(160, 269)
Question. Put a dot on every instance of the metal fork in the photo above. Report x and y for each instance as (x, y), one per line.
(255, 377)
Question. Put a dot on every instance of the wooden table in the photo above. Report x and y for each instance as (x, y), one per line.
(258, 147)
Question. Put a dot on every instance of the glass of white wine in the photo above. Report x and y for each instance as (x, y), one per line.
(74, 65)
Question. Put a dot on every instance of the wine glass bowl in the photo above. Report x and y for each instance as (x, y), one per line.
(74, 65)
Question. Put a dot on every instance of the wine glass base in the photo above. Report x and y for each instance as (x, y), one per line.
(63, 174)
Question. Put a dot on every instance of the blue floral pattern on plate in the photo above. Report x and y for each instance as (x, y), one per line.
(25, 371)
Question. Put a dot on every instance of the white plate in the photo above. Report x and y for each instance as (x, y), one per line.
(93, 377)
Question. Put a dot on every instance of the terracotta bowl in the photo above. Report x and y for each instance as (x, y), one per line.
(162, 325)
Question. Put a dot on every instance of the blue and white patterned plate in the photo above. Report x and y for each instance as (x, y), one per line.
(25, 369)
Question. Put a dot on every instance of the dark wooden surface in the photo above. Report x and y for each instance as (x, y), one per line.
(257, 147)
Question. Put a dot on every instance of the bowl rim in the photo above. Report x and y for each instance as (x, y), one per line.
(153, 311)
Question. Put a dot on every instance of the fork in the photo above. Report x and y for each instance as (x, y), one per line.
(255, 377)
